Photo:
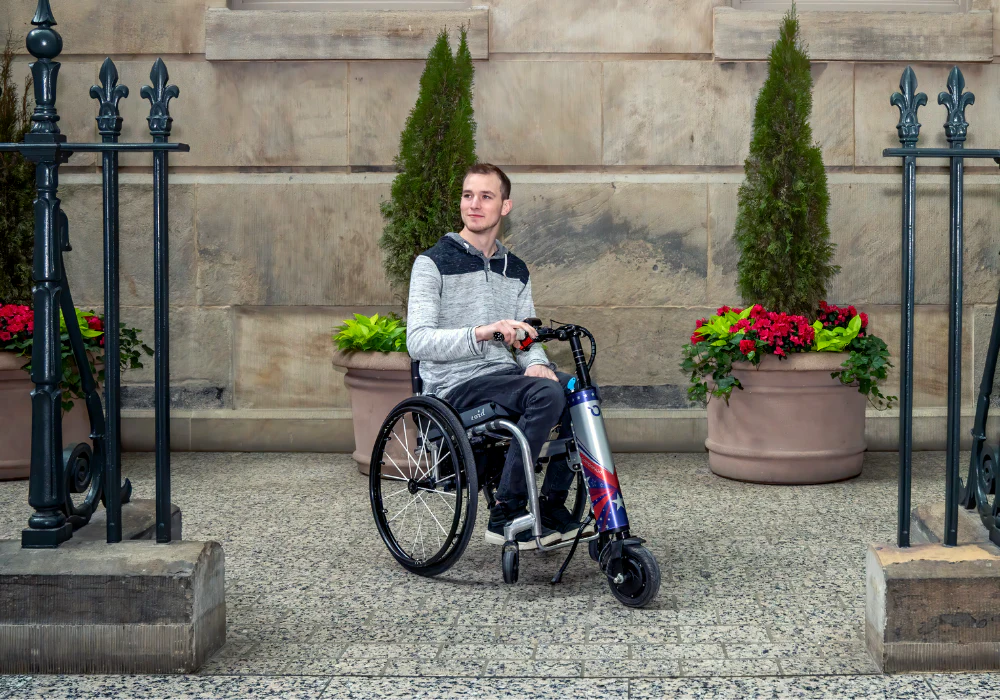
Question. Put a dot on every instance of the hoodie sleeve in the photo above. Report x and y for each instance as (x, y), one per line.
(424, 340)
(535, 355)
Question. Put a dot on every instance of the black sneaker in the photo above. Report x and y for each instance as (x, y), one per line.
(503, 513)
(556, 516)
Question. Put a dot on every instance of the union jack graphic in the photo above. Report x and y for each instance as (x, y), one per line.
(605, 493)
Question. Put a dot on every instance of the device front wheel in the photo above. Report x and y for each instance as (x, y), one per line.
(639, 581)
(509, 562)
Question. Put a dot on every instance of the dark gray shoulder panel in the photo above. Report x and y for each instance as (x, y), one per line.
(451, 260)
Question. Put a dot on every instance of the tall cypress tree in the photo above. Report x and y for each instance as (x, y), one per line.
(17, 188)
(436, 147)
(781, 227)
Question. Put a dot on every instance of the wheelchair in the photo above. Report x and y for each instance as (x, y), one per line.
(430, 462)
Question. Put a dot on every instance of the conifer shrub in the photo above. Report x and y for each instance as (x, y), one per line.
(17, 187)
(781, 226)
(436, 148)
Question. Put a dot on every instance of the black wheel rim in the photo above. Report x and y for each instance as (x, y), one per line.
(635, 577)
(418, 503)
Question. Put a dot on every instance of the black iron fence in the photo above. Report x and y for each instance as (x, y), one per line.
(979, 490)
(57, 473)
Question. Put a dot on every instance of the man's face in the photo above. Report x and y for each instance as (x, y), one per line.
(481, 203)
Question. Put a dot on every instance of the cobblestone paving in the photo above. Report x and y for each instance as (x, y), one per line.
(762, 595)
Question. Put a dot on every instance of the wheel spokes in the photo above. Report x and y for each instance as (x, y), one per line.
(414, 522)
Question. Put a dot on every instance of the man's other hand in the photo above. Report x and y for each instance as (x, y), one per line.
(539, 370)
(509, 329)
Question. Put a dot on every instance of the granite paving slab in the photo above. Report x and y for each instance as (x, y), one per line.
(762, 594)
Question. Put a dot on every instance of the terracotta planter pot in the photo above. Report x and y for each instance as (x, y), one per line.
(376, 382)
(792, 423)
(15, 419)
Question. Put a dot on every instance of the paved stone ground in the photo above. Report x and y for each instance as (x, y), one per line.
(763, 593)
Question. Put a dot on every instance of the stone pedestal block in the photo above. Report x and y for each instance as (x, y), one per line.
(91, 607)
(931, 607)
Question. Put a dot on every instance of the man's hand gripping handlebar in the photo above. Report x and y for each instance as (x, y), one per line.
(507, 331)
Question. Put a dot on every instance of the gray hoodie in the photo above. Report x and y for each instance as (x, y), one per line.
(453, 289)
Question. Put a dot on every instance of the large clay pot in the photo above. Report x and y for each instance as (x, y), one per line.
(15, 418)
(376, 382)
(791, 424)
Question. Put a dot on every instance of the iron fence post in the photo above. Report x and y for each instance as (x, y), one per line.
(956, 129)
(159, 95)
(109, 124)
(47, 526)
(908, 100)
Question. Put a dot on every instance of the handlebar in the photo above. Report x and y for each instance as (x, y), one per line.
(568, 332)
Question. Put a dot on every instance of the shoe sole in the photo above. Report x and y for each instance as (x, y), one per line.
(494, 538)
(571, 535)
(590, 531)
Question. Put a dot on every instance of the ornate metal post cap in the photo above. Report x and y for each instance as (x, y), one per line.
(43, 41)
(955, 101)
(909, 101)
(159, 95)
(108, 94)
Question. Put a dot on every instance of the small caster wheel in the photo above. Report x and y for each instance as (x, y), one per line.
(594, 549)
(509, 562)
(639, 580)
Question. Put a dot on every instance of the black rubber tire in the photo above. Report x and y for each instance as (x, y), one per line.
(466, 487)
(637, 561)
(509, 562)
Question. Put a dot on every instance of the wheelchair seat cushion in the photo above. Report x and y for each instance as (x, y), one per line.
(486, 412)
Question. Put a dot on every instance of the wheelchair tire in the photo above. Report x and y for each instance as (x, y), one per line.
(436, 492)
(509, 562)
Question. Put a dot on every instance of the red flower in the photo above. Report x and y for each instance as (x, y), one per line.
(4, 336)
(747, 346)
(700, 322)
(864, 320)
(695, 338)
(95, 323)
(722, 310)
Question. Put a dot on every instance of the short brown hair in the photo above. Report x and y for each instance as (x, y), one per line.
(490, 169)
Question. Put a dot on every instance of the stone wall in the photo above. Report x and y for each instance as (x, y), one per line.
(624, 126)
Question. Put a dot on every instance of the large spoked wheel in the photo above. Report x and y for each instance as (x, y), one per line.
(640, 577)
(422, 484)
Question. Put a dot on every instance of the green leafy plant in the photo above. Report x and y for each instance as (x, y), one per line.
(837, 338)
(781, 224)
(371, 334)
(436, 148)
(17, 186)
(748, 335)
(16, 335)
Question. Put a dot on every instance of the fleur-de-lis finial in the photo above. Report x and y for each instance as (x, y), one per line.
(956, 128)
(909, 101)
(108, 94)
(159, 95)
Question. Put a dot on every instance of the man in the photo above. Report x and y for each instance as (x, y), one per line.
(463, 290)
